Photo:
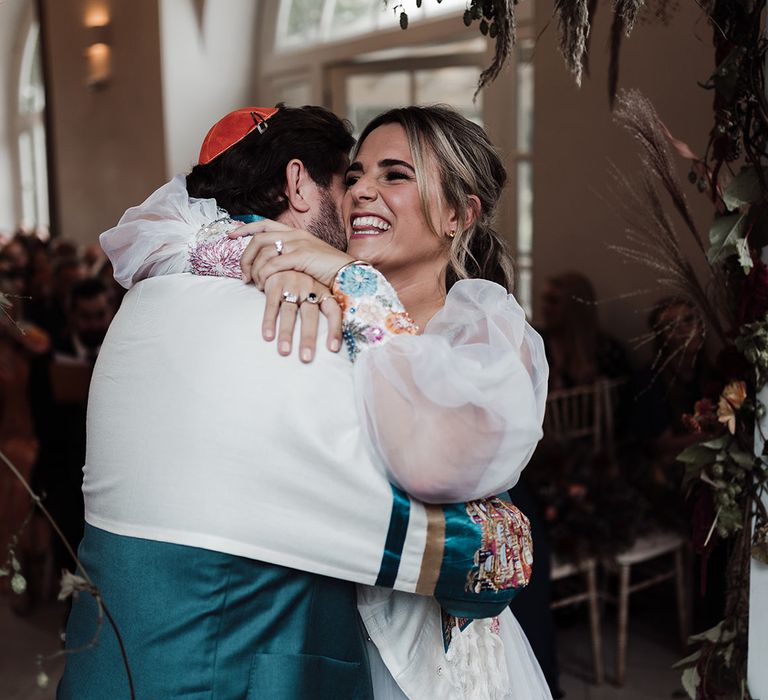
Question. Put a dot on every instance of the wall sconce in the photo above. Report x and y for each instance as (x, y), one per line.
(98, 53)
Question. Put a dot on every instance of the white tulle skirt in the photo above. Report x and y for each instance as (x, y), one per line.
(521, 679)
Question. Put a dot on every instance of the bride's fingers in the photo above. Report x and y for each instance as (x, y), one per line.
(270, 243)
(260, 263)
(269, 265)
(332, 312)
(310, 315)
(247, 258)
(258, 227)
(288, 312)
(273, 291)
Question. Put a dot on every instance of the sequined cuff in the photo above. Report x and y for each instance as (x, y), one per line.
(212, 253)
(372, 310)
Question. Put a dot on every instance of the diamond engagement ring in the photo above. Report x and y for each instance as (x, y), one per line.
(279, 247)
(312, 298)
(290, 298)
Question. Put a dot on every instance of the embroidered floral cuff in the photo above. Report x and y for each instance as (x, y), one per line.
(212, 253)
(372, 310)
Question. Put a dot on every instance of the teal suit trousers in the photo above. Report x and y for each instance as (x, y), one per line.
(203, 625)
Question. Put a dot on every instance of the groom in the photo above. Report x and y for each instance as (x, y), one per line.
(230, 499)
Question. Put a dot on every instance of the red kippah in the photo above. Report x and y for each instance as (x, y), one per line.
(232, 129)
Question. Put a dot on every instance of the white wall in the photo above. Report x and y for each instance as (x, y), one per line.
(107, 145)
(575, 215)
(208, 69)
(14, 21)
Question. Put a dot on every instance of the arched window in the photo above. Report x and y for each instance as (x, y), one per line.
(33, 171)
(309, 22)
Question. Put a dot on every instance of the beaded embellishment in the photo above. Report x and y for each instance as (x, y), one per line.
(449, 622)
(505, 557)
(212, 253)
(372, 310)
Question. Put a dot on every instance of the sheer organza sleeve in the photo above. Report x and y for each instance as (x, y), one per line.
(154, 238)
(455, 413)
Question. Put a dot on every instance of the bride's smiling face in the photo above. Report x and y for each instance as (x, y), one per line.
(382, 209)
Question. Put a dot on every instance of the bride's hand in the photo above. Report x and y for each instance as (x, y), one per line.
(276, 247)
(301, 286)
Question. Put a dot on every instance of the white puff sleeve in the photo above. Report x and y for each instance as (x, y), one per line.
(154, 237)
(455, 414)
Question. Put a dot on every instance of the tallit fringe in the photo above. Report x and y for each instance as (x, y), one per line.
(476, 663)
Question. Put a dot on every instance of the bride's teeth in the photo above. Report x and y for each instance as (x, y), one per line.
(374, 222)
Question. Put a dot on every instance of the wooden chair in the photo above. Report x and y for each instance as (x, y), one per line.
(648, 553)
(577, 414)
(582, 414)
(589, 594)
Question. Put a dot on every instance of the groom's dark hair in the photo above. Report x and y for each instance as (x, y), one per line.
(249, 177)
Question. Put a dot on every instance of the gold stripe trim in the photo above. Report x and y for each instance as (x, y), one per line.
(433, 551)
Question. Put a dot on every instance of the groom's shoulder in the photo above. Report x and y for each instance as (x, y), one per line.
(186, 288)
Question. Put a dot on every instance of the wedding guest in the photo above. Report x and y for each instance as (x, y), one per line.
(664, 391)
(60, 387)
(20, 343)
(578, 350)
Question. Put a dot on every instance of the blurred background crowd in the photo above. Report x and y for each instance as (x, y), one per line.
(58, 302)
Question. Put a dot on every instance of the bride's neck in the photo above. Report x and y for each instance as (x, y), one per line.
(422, 292)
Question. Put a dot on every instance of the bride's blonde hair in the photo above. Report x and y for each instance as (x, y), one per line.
(468, 164)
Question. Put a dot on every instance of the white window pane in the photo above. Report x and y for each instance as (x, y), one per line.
(524, 288)
(304, 23)
(27, 167)
(524, 207)
(41, 174)
(525, 97)
(454, 86)
(370, 94)
(299, 22)
(352, 17)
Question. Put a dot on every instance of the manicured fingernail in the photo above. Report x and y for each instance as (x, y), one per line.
(335, 345)
(285, 347)
(306, 354)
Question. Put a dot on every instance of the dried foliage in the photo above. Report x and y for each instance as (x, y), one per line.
(573, 23)
(496, 19)
(728, 468)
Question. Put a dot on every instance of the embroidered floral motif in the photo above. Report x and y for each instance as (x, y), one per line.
(372, 310)
(212, 253)
(399, 322)
(218, 258)
(505, 557)
(358, 281)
